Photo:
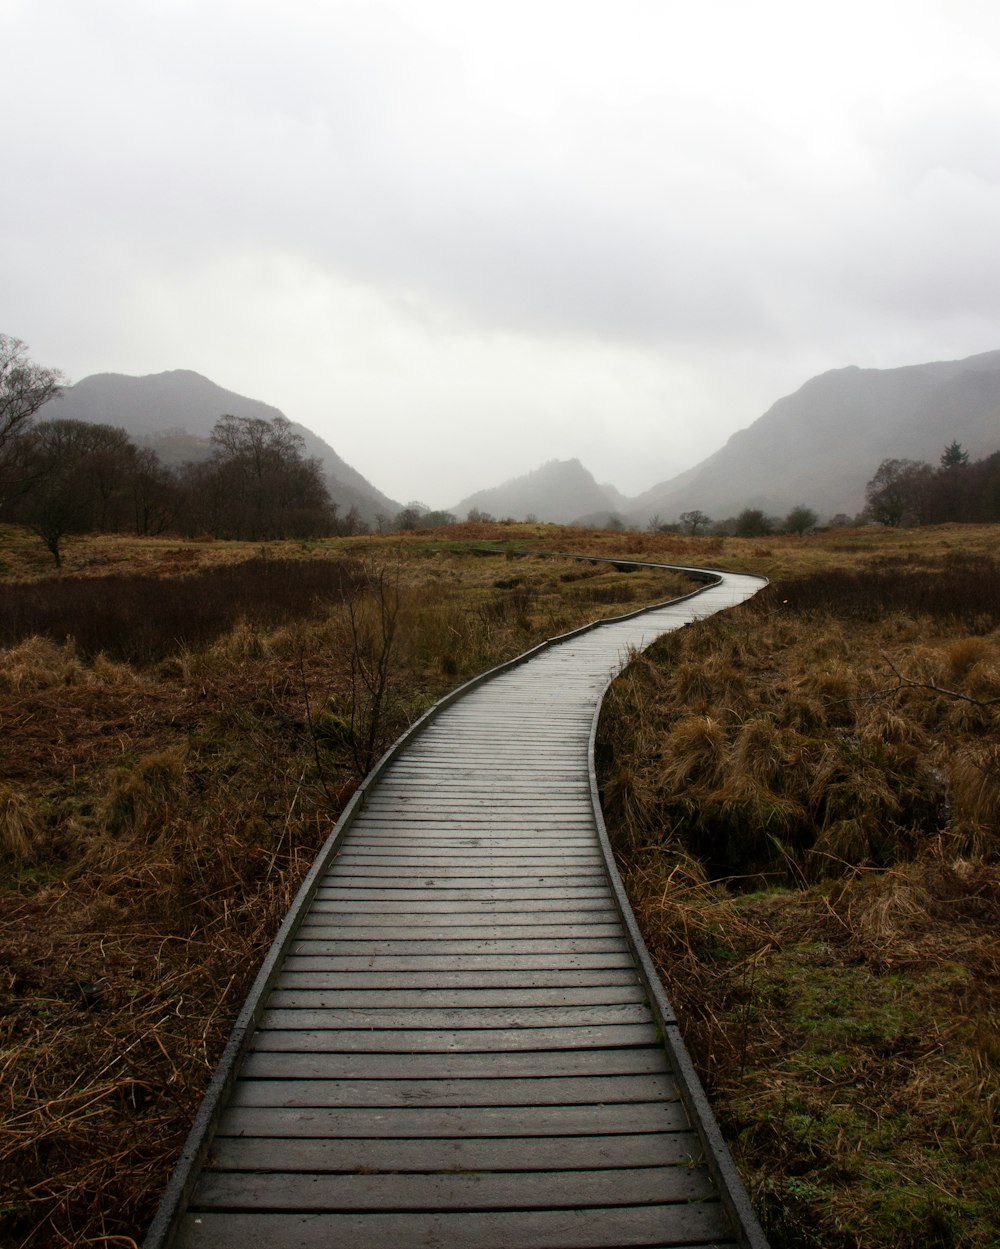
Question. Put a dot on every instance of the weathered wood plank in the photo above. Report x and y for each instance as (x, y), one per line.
(511, 776)
(541, 834)
(455, 844)
(394, 867)
(419, 1121)
(568, 788)
(562, 949)
(444, 1040)
(462, 906)
(541, 1091)
(487, 891)
(701, 1224)
(373, 849)
(524, 1064)
(415, 855)
(360, 927)
(340, 1018)
(649, 1149)
(495, 810)
(538, 833)
(466, 963)
(457, 978)
(481, 875)
(518, 828)
(479, 1190)
(473, 999)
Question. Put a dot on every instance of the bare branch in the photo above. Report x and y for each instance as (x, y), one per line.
(24, 387)
(906, 682)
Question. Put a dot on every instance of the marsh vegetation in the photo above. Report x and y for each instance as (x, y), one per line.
(180, 725)
(803, 794)
(805, 798)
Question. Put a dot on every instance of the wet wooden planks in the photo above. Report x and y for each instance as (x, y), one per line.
(457, 1048)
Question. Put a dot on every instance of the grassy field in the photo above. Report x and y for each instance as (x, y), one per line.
(180, 724)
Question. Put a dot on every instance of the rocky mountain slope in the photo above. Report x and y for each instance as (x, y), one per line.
(822, 444)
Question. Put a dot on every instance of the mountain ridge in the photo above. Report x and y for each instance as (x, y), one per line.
(155, 406)
(817, 446)
(821, 444)
(558, 491)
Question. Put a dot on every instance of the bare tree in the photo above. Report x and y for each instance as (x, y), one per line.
(24, 387)
(78, 477)
(155, 494)
(897, 493)
(694, 521)
(258, 484)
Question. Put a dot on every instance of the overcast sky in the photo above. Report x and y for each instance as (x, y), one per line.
(458, 238)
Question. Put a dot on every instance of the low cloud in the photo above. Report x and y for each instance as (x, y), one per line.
(458, 241)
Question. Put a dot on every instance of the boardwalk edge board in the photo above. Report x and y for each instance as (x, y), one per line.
(187, 1170)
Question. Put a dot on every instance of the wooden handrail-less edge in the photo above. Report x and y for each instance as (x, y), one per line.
(162, 1231)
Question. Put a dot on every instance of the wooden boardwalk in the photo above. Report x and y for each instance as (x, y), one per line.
(455, 1041)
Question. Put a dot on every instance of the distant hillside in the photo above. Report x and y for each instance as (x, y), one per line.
(174, 413)
(821, 445)
(560, 491)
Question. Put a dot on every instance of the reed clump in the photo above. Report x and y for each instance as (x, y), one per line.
(19, 831)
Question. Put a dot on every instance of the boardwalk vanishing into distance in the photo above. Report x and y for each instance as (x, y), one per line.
(458, 1039)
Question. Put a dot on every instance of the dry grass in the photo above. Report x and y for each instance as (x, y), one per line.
(18, 827)
(839, 989)
(155, 821)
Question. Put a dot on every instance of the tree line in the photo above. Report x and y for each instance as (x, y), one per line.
(913, 492)
(901, 493)
(752, 522)
(60, 477)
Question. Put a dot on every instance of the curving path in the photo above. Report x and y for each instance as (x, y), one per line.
(458, 1039)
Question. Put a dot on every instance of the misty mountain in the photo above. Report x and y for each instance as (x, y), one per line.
(822, 444)
(174, 414)
(560, 492)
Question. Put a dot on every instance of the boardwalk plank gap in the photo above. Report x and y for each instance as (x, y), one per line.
(458, 1039)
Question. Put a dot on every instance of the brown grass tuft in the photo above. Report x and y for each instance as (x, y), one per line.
(141, 796)
(763, 752)
(693, 752)
(19, 830)
(974, 782)
(965, 653)
(38, 663)
(982, 681)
